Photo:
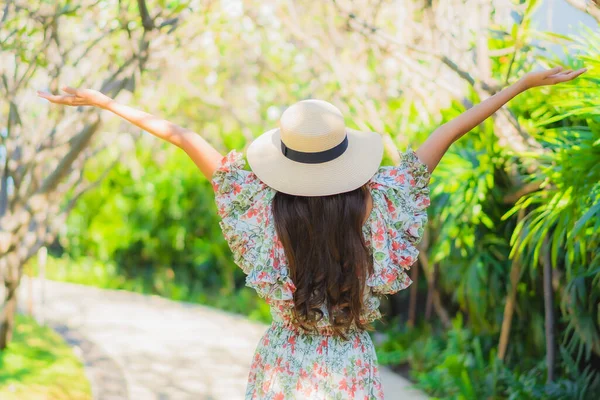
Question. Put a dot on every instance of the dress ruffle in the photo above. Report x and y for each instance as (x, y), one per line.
(243, 203)
(272, 282)
(396, 224)
(393, 230)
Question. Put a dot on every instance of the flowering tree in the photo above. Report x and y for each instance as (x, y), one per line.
(44, 151)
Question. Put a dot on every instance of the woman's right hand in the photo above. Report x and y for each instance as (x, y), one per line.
(78, 97)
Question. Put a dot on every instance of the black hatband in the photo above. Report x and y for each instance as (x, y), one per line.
(318, 157)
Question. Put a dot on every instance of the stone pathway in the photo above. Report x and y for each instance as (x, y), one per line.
(165, 350)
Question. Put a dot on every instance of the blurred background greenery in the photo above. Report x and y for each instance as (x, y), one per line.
(506, 297)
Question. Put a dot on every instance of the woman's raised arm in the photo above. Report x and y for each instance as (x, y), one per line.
(206, 157)
(436, 145)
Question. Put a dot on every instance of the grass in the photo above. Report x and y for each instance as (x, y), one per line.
(39, 365)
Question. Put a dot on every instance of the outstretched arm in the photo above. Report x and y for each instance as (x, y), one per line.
(436, 145)
(205, 156)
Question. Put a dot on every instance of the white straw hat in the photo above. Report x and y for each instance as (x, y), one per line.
(312, 153)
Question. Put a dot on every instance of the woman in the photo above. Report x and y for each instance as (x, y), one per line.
(321, 230)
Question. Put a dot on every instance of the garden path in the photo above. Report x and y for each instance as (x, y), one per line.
(165, 349)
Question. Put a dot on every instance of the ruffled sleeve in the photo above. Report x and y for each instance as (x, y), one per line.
(235, 188)
(400, 200)
(243, 203)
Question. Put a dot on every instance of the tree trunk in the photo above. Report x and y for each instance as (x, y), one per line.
(7, 314)
(414, 291)
(509, 308)
(549, 311)
(431, 288)
(440, 310)
(436, 299)
(12, 264)
(511, 299)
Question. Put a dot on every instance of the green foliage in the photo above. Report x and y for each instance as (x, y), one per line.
(466, 193)
(155, 217)
(476, 235)
(563, 218)
(460, 365)
(151, 227)
(38, 364)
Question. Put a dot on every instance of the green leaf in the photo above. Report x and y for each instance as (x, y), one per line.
(585, 218)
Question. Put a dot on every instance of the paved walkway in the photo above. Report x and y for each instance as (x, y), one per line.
(166, 350)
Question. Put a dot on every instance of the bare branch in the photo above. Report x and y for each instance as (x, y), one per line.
(78, 144)
(5, 13)
(147, 21)
(83, 189)
(507, 127)
(4, 188)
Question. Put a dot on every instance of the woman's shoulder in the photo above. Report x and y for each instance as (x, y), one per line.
(231, 171)
(236, 188)
(410, 173)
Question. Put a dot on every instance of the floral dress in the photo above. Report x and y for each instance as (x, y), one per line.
(290, 364)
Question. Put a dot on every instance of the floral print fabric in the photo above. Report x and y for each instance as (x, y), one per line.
(290, 364)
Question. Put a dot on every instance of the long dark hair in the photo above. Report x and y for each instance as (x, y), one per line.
(327, 255)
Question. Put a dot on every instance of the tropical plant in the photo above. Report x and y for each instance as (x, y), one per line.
(460, 365)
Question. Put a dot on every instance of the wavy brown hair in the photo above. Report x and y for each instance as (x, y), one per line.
(327, 255)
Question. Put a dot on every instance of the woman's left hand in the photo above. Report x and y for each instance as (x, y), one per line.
(549, 77)
(78, 97)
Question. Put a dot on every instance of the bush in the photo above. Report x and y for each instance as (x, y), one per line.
(458, 365)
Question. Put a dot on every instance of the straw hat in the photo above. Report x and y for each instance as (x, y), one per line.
(312, 153)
